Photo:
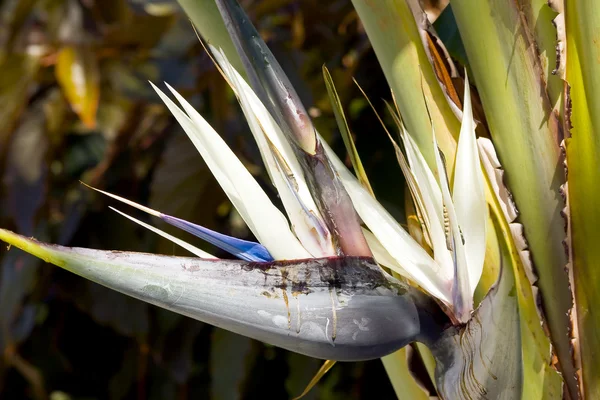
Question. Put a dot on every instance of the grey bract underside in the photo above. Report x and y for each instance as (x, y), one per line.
(338, 308)
(342, 309)
(482, 359)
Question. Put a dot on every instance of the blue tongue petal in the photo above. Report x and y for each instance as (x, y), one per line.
(246, 250)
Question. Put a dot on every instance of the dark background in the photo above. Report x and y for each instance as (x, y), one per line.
(75, 105)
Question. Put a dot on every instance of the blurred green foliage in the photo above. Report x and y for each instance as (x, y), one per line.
(76, 105)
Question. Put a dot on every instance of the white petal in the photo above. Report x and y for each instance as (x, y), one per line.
(267, 223)
(462, 295)
(406, 251)
(283, 167)
(381, 255)
(432, 200)
(468, 194)
(192, 249)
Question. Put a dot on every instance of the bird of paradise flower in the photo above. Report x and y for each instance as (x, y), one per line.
(314, 282)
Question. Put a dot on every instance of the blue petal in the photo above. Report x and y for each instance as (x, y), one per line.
(249, 251)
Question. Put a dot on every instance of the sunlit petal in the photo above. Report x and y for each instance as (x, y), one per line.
(247, 196)
(381, 255)
(462, 294)
(468, 193)
(282, 165)
(243, 249)
(431, 197)
(406, 251)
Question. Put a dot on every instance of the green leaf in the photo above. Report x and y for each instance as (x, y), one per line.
(583, 153)
(396, 39)
(18, 275)
(526, 133)
(542, 381)
(26, 170)
(16, 81)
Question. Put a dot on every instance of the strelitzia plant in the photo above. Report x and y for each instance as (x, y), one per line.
(339, 278)
(313, 283)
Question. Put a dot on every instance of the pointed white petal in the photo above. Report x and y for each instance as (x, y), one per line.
(192, 249)
(468, 194)
(381, 255)
(415, 191)
(133, 204)
(283, 167)
(432, 201)
(406, 251)
(243, 249)
(462, 295)
(267, 223)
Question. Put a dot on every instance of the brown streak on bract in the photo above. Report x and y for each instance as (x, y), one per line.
(287, 307)
(283, 287)
(440, 67)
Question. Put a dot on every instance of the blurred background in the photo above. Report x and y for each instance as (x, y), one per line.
(75, 105)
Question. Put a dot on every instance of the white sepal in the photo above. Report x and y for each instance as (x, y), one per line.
(414, 260)
(245, 193)
(381, 255)
(431, 197)
(283, 167)
(468, 194)
(462, 294)
(192, 249)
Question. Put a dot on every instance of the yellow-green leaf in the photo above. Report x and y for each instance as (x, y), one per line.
(320, 373)
(396, 39)
(77, 74)
(541, 380)
(340, 117)
(583, 153)
(506, 68)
